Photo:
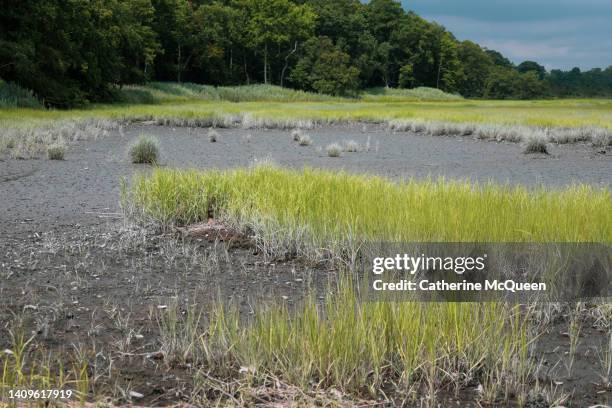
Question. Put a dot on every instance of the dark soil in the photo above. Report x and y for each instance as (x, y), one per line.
(72, 272)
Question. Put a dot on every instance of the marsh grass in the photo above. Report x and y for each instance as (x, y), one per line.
(334, 150)
(56, 152)
(563, 121)
(213, 135)
(356, 346)
(296, 134)
(535, 145)
(351, 146)
(33, 140)
(145, 150)
(304, 140)
(324, 208)
(25, 366)
(14, 96)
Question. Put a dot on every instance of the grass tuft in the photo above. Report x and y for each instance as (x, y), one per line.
(304, 140)
(296, 134)
(145, 150)
(351, 146)
(56, 152)
(535, 145)
(213, 135)
(334, 150)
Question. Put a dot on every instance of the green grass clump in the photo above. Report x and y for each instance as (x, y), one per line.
(145, 150)
(213, 135)
(419, 94)
(351, 146)
(327, 207)
(56, 152)
(304, 140)
(535, 145)
(356, 347)
(169, 92)
(334, 150)
(14, 96)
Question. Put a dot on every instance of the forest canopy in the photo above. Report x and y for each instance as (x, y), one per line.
(73, 51)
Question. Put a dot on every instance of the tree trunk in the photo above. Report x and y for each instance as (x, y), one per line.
(246, 71)
(178, 65)
(282, 78)
(439, 72)
(266, 64)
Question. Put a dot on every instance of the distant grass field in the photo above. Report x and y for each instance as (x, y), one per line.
(197, 101)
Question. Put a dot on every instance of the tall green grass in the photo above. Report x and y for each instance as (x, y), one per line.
(361, 348)
(172, 92)
(323, 208)
(169, 92)
(416, 94)
(543, 114)
(14, 96)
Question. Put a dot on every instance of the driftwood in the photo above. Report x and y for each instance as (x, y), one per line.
(214, 230)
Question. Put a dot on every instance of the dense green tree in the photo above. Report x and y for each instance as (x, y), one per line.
(505, 83)
(276, 24)
(476, 66)
(70, 51)
(325, 68)
(383, 17)
(172, 25)
(532, 66)
(498, 59)
(73, 51)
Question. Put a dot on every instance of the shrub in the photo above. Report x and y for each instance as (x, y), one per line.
(145, 150)
(213, 135)
(305, 140)
(535, 145)
(56, 152)
(14, 96)
(334, 150)
(351, 146)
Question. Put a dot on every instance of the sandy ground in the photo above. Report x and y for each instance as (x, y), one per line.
(69, 265)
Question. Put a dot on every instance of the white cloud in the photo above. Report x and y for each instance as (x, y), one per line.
(561, 43)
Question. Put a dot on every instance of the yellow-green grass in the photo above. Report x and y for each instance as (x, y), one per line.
(325, 207)
(549, 113)
(357, 347)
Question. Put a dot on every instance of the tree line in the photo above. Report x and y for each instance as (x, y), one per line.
(72, 51)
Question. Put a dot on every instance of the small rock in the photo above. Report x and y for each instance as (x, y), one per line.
(9, 352)
(162, 307)
(246, 369)
(135, 394)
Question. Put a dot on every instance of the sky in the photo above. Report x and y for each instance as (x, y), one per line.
(559, 34)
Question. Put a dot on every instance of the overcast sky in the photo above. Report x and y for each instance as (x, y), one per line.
(556, 33)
